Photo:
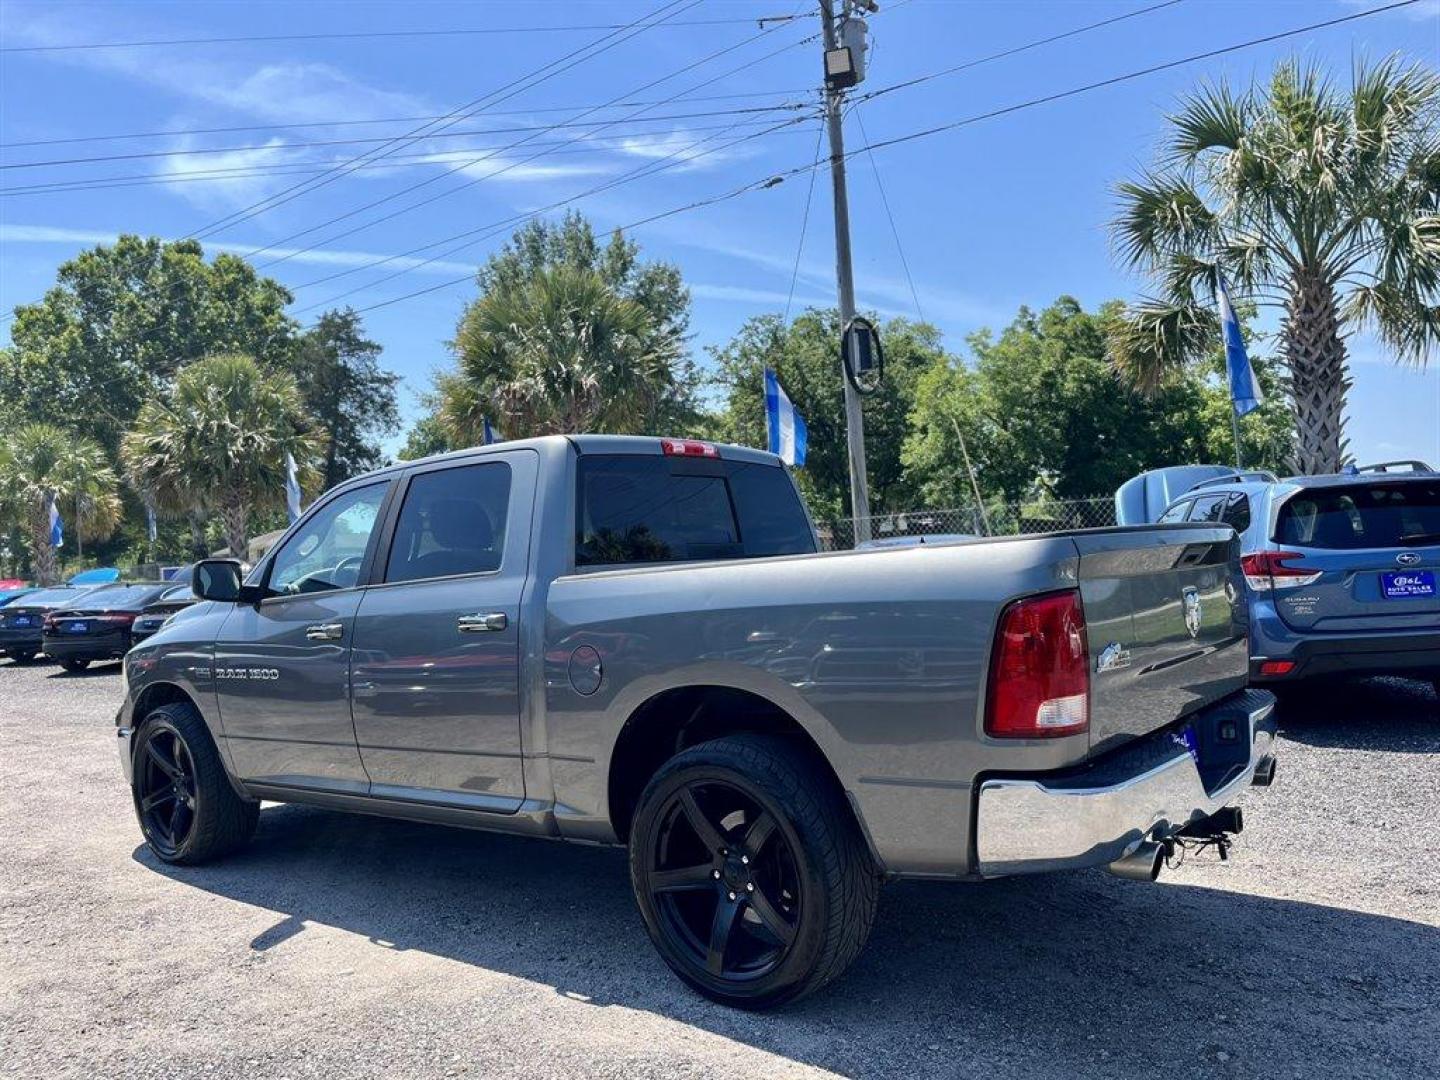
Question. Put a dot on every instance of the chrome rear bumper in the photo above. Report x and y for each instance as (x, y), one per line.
(1146, 790)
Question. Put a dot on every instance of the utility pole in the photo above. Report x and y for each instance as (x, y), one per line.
(844, 273)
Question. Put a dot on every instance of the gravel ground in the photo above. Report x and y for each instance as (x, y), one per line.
(343, 946)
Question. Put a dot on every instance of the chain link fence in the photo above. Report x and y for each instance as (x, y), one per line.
(995, 519)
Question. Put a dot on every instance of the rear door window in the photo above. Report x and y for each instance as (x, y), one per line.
(1176, 512)
(1237, 512)
(1362, 516)
(639, 509)
(1209, 508)
(452, 522)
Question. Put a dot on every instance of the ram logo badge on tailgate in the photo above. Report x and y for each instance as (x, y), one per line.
(1193, 610)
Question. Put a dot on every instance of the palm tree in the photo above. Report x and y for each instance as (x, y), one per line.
(39, 462)
(560, 351)
(218, 442)
(1318, 202)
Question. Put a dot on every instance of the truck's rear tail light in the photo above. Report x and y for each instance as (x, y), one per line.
(1267, 570)
(1040, 670)
(1277, 667)
(689, 448)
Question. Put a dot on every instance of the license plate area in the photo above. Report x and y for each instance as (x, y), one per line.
(22, 621)
(75, 627)
(1408, 585)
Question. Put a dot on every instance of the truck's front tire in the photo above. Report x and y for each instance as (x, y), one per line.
(750, 871)
(188, 811)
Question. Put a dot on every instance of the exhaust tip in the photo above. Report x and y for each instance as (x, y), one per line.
(1142, 864)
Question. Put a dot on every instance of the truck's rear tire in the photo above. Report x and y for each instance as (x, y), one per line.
(188, 811)
(750, 871)
(74, 665)
(22, 656)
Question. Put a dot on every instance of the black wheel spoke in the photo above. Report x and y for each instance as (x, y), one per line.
(708, 833)
(726, 914)
(758, 833)
(699, 876)
(167, 767)
(156, 798)
(770, 918)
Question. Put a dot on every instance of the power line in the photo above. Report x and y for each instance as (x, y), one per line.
(1167, 3)
(804, 224)
(1018, 49)
(318, 165)
(470, 238)
(502, 93)
(523, 161)
(778, 178)
(895, 232)
(381, 120)
(194, 151)
(356, 35)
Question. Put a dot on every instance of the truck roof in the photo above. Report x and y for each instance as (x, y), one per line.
(593, 444)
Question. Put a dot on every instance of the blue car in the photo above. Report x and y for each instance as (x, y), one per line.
(1343, 571)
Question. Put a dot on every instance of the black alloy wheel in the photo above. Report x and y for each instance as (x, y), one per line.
(189, 810)
(166, 796)
(724, 881)
(750, 871)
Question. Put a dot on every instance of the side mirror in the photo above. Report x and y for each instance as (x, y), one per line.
(216, 579)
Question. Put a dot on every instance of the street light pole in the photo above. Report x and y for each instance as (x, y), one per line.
(845, 280)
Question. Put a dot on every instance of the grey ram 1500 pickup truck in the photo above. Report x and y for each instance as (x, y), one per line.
(634, 641)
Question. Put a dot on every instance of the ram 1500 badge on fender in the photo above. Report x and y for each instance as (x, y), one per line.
(634, 641)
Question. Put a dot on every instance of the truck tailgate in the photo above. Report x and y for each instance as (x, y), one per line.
(1166, 622)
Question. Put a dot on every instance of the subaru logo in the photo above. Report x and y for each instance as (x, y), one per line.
(1407, 558)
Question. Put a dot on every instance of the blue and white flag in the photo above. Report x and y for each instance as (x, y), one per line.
(292, 490)
(57, 527)
(488, 434)
(1244, 389)
(787, 430)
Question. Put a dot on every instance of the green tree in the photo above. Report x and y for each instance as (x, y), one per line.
(570, 331)
(39, 461)
(1319, 202)
(347, 392)
(805, 356)
(1042, 407)
(219, 441)
(560, 351)
(426, 436)
(122, 319)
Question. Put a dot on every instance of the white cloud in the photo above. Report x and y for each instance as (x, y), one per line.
(47, 234)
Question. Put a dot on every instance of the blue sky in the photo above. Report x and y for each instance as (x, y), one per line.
(1000, 213)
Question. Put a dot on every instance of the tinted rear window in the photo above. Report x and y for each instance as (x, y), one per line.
(635, 509)
(124, 596)
(48, 596)
(1363, 516)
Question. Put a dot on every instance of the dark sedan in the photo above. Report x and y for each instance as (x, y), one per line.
(176, 598)
(21, 619)
(98, 627)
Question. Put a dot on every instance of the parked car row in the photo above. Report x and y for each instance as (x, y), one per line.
(78, 625)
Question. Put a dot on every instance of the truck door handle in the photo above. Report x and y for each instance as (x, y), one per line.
(330, 631)
(479, 624)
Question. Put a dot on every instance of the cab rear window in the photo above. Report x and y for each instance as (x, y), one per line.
(640, 509)
(1362, 516)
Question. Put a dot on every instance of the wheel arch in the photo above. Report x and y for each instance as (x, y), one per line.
(676, 718)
